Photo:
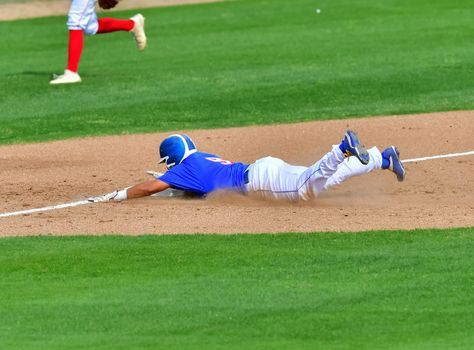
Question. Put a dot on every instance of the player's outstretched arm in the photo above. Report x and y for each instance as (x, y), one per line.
(147, 189)
(141, 190)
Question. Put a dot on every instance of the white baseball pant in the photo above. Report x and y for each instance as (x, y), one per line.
(82, 16)
(273, 178)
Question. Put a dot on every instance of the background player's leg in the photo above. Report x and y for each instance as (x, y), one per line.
(76, 44)
(81, 18)
(109, 25)
(352, 167)
(135, 25)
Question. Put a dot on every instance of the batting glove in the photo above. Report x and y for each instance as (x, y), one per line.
(104, 198)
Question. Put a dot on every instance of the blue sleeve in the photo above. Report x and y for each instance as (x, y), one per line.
(181, 177)
(174, 178)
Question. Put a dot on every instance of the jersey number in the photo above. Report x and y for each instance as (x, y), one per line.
(219, 160)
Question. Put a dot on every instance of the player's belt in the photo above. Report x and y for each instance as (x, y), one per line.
(246, 176)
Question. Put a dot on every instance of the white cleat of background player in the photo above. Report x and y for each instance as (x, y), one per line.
(138, 31)
(69, 77)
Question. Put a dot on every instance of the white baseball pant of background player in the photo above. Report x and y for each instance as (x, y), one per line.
(275, 179)
(82, 16)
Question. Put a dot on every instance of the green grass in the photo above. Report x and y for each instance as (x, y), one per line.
(375, 290)
(238, 63)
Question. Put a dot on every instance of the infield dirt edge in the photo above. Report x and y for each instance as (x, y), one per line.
(436, 194)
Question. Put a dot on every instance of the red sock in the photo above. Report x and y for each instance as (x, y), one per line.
(107, 25)
(76, 43)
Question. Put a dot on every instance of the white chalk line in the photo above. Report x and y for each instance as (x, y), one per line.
(49, 208)
(85, 201)
(451, 155)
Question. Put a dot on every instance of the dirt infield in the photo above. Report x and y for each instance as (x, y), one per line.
(45, 8)
(437, 193)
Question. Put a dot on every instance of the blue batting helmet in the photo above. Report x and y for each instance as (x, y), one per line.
(176, 148)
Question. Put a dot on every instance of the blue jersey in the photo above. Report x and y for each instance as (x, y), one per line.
(202, 173)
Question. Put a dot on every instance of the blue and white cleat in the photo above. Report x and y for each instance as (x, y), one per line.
(352, 147)
(392, 155)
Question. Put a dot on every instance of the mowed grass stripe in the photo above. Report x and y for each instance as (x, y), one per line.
(390, 290)
(238, 63)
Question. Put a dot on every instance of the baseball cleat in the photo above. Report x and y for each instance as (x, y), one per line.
(352, 147)
(69, 77)
(393, 156)
(138, 31)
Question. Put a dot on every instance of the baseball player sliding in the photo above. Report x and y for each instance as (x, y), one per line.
(200, 173)
(82, 18)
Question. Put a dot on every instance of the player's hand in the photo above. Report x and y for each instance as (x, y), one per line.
(104, 198)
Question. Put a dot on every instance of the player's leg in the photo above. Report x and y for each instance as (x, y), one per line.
(273, 178)
(134, 25)
(315, 178)
(82, 19)
(352, 167)
(81, 15)
(110, 25)
(386, 160)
